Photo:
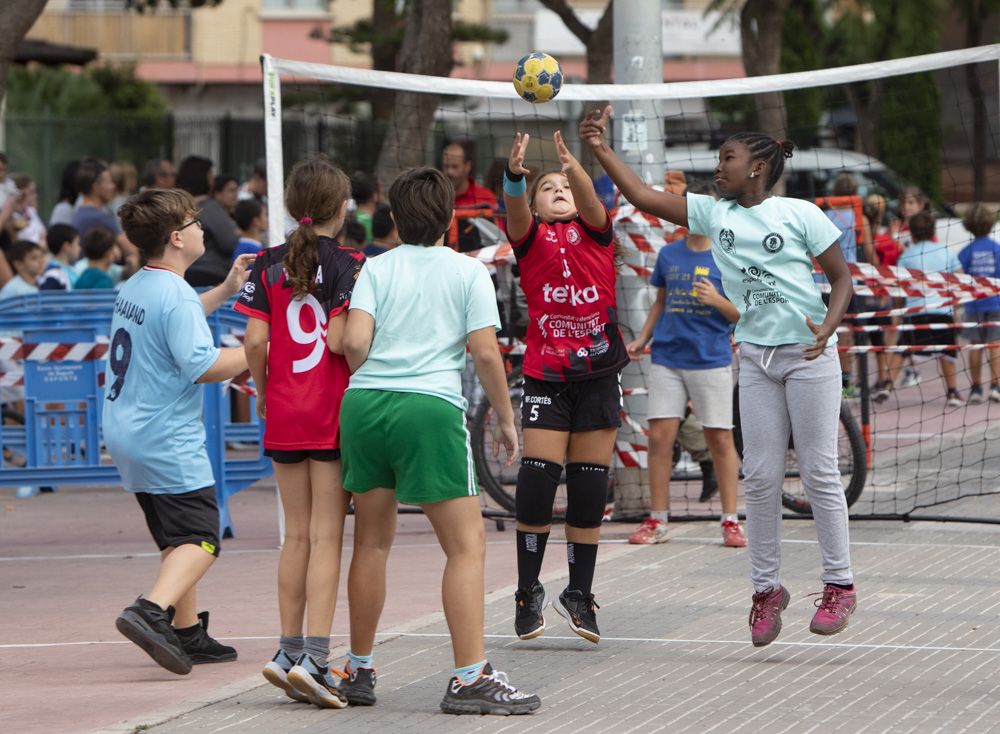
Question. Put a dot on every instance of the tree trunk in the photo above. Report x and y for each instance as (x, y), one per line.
(385, 23)
(761, 26)
(426, 50)
(974, 37)
(16, 20)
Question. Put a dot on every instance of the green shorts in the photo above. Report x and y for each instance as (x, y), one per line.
(414, 443)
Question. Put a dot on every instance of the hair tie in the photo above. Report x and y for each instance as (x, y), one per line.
(306, 220)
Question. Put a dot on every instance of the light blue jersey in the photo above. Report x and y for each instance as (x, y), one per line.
(425, 301)
(764, 253)
(931, 257)
(160, 346)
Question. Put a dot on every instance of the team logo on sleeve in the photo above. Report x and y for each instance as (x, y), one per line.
(727, 238)
(572, 235)
(248, 290)
(773, 242)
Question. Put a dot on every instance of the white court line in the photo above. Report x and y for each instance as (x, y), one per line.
(553, 541)
(657, 640)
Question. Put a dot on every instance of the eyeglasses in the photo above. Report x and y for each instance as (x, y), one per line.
(193, 221)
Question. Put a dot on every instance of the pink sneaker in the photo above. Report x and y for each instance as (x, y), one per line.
(765, 615)
(835, 609)
(651, 531)
(732, 535)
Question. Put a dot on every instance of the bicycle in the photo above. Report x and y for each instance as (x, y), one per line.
(499, 482)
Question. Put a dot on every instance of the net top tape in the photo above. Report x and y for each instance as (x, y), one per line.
(635, 92)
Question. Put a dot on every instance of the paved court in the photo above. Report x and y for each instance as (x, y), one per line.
(921, 653)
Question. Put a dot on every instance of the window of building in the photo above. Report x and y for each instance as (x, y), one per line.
(322, 5)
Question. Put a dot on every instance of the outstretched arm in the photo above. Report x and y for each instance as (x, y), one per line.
(518, 212)
(662, 204)
(588, 204)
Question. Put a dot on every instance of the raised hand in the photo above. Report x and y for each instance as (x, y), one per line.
(516, 161)
(593, 126)
(565, 157)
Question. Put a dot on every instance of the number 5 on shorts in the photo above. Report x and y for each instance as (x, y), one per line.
(533, 415)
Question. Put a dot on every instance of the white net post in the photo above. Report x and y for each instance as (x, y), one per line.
(273, 152)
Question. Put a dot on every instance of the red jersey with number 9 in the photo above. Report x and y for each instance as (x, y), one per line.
(568, 278)
(305, 380)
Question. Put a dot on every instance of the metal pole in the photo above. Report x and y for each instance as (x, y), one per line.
(638, 129)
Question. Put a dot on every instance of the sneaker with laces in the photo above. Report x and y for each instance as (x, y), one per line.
(910, 378)
(976, 395)
(276, 673)
(995, 394)
(491, 693)
(651, 531)
(317, 682)
(732, 535)
(580, 612)
(882, 391)
(954, 399)
(202, 648)
(149, 627)
(359, 686)
(834, 609)
(529, 604)
(765, 615)
(849, 392)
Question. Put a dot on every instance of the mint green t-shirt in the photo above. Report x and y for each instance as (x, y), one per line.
(764, 255)
(425, 301)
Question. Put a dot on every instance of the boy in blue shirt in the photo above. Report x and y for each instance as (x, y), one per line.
(931, 257)
(982, 258)
(689, 324)
(64, 245)
(161, 351)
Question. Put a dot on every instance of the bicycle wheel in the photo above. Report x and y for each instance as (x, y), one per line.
(850, 459)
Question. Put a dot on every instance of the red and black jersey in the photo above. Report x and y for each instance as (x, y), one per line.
(568, 277)
(305, 380)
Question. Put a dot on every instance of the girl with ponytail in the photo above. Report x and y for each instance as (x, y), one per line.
(296, 299)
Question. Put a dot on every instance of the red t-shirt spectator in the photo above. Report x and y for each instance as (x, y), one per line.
(476, 197)
(305, 380)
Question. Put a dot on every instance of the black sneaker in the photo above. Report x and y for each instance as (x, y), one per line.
(579, 611)
(318, 682)
(709, 486)
(492, 693)
(148, 626)
(200, 647)
(359, 686)
(528, 607)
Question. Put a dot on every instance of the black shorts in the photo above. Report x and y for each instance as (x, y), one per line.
(294, 457)
(578, 406)
(922, 337)
(191, 518)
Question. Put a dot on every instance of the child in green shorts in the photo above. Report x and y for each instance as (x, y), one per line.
(404, 438)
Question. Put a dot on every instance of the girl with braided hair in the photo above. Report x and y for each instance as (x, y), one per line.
(790, 376)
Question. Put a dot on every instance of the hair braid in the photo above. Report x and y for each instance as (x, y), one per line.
(770, 150)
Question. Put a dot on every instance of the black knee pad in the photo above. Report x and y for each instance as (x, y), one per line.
(536, 491)
(586, 494)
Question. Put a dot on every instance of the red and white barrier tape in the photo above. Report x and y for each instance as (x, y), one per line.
(868, 328)
(14, 348)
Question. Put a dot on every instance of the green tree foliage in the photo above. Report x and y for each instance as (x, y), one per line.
(97, 91)
(802, 50)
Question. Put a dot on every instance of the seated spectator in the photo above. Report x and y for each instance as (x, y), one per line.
(64, 246)
(99, 247)
(384, 235)
(251, 220)
(93, 182)
(224, 191)
(25, 224)
(28, 260)
(365, 192)
(62, 212)
(197, 177)
(158, 173)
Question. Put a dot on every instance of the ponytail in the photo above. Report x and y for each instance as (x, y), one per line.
(301, 259)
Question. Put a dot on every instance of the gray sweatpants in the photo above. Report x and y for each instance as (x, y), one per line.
(780, 392)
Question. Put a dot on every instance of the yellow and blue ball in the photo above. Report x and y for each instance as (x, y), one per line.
(538, 77)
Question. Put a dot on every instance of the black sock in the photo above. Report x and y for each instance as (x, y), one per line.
(582, 559)
(530, 552)
(845, 587)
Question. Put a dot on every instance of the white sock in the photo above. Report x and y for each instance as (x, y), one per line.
(731, 518)
(661, 515)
